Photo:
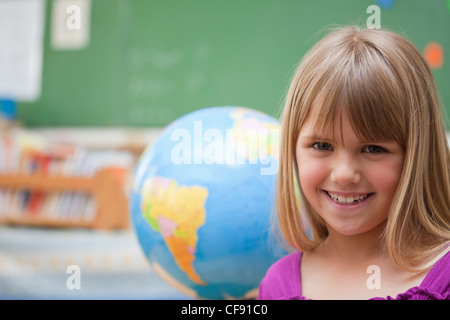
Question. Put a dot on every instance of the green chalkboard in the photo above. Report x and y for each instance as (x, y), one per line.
(149, 62)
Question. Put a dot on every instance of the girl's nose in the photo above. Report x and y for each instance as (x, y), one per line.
(345, 171)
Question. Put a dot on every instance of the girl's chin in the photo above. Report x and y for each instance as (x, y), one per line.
(349, 230)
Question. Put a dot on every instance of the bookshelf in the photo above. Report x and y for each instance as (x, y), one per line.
(104, 203)
(62, 184)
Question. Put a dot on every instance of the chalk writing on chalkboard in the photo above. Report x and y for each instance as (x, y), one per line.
(154, 75)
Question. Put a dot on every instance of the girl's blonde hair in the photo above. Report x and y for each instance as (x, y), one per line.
(389, 93)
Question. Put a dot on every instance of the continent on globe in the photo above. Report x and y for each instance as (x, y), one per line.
(254, 137)
(162, 202)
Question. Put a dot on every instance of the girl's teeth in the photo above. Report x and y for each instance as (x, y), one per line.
(347, 200)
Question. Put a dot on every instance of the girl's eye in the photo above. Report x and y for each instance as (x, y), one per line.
(373, 149)
(322, 146)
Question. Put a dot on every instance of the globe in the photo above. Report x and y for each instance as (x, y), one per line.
(202, 200)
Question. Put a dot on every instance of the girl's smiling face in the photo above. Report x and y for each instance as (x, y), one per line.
(349, 182)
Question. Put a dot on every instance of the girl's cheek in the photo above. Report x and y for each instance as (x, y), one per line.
(311, 173)
(385, 177)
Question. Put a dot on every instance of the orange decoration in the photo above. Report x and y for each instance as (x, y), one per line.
(434, 55)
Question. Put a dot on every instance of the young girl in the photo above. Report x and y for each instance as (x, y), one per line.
(363, 139)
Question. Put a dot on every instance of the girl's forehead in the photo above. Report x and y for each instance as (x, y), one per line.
(338, 126)
(334, 120)
(340, 131)
(322, 118)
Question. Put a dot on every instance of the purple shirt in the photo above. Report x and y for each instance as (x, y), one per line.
(282, 282)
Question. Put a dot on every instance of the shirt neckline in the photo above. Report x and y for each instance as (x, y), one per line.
(430, 275)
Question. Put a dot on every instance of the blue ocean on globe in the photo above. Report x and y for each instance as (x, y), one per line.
(202, 202)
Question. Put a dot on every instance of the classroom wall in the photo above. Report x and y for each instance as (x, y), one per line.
(149, 62)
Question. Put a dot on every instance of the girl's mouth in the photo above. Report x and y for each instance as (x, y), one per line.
(348, 200)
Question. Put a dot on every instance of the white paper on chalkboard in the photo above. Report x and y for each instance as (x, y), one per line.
(21, 48)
